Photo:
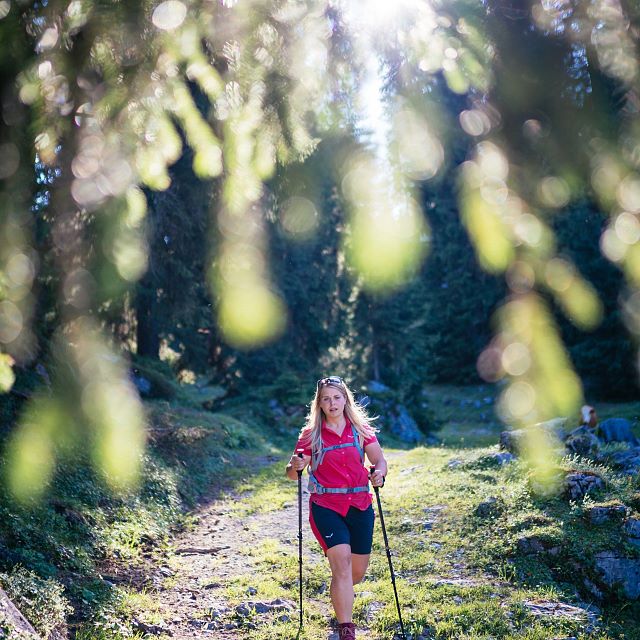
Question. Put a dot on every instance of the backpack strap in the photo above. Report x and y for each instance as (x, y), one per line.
(315, 487)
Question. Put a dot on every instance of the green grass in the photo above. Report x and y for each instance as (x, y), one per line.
(432, 554)
(67, 544)
(81, 532)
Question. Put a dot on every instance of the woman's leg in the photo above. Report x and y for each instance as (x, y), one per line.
(359, 564)
(341, 581)
(361, 533)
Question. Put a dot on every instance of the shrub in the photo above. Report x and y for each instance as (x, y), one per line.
(41, 601)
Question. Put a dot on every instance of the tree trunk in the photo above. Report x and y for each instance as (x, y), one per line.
(147, 336)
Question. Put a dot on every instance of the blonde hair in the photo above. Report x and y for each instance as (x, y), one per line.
(311, 433)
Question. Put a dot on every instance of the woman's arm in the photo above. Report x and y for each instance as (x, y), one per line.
(376, 458)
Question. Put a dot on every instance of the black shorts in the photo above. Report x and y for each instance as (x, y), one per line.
(354, 529)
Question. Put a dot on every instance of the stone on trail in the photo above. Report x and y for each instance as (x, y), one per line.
(151, 629)
(246, 608)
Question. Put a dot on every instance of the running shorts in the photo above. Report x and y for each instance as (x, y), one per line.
(330, 528)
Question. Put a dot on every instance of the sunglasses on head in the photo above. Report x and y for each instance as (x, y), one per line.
(330, 380)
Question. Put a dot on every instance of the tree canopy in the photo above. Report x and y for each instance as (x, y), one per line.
(341, 146)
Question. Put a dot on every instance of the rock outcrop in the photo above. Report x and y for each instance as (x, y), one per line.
(13, 625)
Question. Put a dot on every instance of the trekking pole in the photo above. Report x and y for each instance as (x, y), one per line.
(386, 546)
(300, 452)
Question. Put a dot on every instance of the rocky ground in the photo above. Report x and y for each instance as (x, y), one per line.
(191, 583)
(190, 586)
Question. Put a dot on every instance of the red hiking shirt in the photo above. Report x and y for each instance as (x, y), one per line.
(340, 468)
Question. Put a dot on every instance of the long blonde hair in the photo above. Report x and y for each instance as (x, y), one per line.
(311, 433)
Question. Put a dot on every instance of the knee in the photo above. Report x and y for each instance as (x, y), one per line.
(341, 568)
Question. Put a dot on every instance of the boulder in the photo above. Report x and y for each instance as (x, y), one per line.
(551, 432)
(512, 441)
(578, 483)
(628, 461)
(530, 545)
(502, 458)
(619, 572)
(12, 620)
(141, 384)
(583, 444)
(631, 527)
(604, 514)
(617, 430)
(402, 425)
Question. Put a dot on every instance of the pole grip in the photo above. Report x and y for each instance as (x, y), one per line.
(300, 453)
(372, 468)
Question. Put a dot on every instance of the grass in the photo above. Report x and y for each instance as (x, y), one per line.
(459, 576)
(71, 549)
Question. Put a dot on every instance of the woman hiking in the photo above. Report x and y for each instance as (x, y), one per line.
(334, 441)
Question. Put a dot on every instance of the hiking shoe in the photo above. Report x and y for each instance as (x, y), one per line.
(347, 631)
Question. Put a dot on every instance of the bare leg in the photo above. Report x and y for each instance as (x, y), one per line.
(341, 581)
(359, 564)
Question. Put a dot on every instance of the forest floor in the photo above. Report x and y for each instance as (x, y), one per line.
(234, 573)
(478, 553)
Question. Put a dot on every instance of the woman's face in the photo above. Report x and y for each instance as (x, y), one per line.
(332, 402)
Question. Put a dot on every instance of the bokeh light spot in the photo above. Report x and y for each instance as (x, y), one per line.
(250, 315)
(169, 15)
(553, 192)
(629, 193)
(11, 321)
(520, 399)
(516, 359)
(299, 218)
(627, 227)
(475, 122)
(612, 246)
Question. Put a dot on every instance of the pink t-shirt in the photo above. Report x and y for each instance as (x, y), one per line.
(340, 468)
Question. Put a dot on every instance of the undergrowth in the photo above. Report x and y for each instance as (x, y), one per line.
(460, 575)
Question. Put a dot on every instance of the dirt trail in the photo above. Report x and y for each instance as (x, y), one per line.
(190, 585)
(192, 602)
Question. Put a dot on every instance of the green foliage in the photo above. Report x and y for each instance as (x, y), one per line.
(83, 529)
(604, 357)
(41, 600)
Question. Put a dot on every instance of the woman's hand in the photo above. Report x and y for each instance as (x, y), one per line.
(298, 463)
(377, 478)
(376, 458)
